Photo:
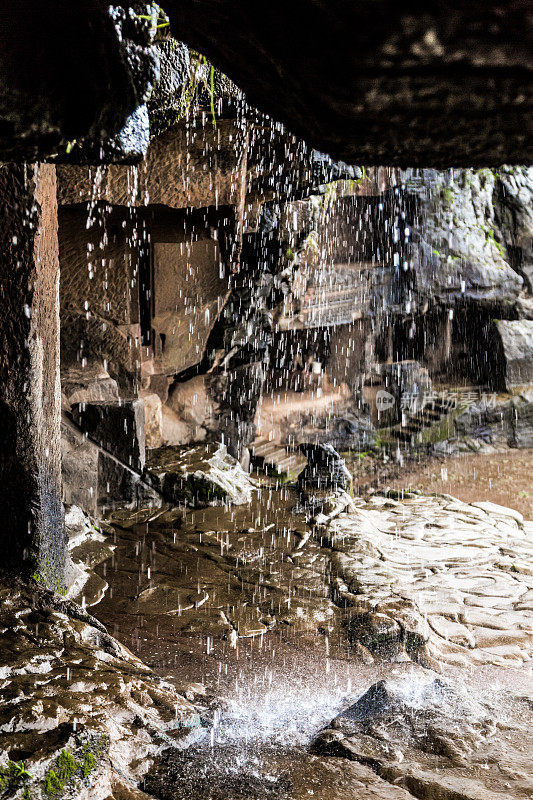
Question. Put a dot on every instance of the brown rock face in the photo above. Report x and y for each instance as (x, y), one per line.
(30, 395)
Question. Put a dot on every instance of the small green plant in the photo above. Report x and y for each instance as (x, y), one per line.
(446, 194)
(212, 92)
(161, 22)
(67, 767)
(13, 775)
(492, 237)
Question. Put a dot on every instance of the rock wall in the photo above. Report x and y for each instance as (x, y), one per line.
(387, 84)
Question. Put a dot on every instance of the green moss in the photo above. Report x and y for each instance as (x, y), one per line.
(52, 785)
(491, 235)
(485, 176)
(68, 767)
(446, 195)
(88, 764)
(12, 776)
(163, 118)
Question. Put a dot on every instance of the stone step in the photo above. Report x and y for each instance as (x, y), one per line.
(276, 459)
(264, 448)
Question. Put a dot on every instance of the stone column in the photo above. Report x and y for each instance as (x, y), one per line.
(32, 533)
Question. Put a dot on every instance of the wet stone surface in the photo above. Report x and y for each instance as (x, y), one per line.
(74, 701)
(435, 579)
(378, 650)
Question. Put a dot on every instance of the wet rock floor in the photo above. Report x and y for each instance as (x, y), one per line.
(275, 626)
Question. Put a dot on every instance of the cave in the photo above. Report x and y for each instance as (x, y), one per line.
(266, 401)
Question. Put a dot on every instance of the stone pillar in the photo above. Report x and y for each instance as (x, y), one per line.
(32, 533)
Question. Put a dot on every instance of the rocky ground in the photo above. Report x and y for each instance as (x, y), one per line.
(378, 648)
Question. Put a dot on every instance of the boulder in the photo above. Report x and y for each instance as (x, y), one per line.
(348, 431)
(461, 253)
(198, 476)
(514, 212)
(514, 340)
(325, 468)
(174, 431)
(192, 402)
(498, 421)
(116, 427)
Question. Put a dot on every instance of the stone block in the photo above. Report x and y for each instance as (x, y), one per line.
(117, 428)
(515, 339)
(95, 480)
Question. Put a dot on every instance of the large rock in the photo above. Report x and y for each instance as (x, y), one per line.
(94, 479)
(515, 340)
(514, 212)
(77, 705)
(461, 254)
(498, 421)
(117, 427)
(188, 165)
(65, 76)
(193, 403)
(325, 468)
(200, 475)
(387, 85)
(434, 738)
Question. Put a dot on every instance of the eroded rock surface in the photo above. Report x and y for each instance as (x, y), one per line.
(435, 579)
(407, 729)
(76, 703)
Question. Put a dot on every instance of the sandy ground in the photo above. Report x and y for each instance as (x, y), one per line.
(505, 478)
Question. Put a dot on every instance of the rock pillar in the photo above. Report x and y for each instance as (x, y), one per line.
(32, 533)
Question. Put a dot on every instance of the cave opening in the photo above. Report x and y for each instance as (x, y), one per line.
(266, 401)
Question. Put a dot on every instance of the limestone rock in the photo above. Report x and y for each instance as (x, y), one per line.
(88, 694)
(428, 735)
(174, 431)
(460, 255)
(153, 420)
(193, 403)
(506, 421)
